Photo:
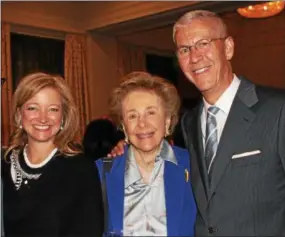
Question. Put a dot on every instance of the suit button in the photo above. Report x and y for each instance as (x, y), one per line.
(212, 230)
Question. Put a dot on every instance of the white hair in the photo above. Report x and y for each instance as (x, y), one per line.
(188, 17)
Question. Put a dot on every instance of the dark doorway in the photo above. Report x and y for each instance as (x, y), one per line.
(163, 66)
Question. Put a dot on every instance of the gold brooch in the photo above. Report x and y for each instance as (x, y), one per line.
(186, 175)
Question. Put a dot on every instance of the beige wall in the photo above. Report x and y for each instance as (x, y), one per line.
(80, 16)
(155, 39)
(101, 14)
(102, 72)
(61, 16)
(260, 48)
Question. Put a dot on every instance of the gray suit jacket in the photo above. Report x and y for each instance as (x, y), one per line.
(246, 196)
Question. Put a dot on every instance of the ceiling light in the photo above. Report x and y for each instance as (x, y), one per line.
(262, 10)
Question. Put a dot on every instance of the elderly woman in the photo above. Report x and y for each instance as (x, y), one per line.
(148, 187)
(49, 187)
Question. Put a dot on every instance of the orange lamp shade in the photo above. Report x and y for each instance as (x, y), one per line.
(262, 10)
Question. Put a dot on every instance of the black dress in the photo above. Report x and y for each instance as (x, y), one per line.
(61, 198)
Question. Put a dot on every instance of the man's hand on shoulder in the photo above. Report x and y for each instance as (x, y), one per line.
(118, 149)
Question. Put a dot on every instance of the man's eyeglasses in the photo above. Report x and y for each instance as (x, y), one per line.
(201, 46)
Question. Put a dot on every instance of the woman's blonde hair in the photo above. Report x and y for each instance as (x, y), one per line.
(28, 87)
(145, 81)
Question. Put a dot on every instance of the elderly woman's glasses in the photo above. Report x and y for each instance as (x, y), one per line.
(201, 46)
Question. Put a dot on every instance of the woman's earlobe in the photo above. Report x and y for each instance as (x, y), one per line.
(122, 127)
(126, 139)
(126, 135)
(62, 125)
(18, 120)
(167, 133)
(167, 127)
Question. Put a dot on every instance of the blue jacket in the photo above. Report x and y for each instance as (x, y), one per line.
(179, 199)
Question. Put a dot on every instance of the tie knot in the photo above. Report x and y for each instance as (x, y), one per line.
(213, 110)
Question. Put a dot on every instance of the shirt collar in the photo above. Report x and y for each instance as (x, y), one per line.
(132, 173)
(166, 153)
(226, 99)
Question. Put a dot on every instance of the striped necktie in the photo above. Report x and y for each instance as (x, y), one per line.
(211, 142)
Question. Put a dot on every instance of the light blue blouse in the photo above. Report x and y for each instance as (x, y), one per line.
(144, 204)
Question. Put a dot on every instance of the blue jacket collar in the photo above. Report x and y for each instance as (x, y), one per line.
(174, 192)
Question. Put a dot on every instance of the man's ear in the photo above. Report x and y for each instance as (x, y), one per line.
(229, 47)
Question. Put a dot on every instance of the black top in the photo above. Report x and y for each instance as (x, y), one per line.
(62, 199)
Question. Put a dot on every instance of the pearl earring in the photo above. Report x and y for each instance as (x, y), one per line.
(61, 126)
(126, 139)
(167, 132)
(126, 136)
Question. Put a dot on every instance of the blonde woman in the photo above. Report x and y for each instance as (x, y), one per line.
(50, 188)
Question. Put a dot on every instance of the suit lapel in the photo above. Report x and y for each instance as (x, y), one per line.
(239, 120)
(115, 190)
(174, 192)
(194, 138)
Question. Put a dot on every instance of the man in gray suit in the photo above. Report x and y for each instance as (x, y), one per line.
(236, 136)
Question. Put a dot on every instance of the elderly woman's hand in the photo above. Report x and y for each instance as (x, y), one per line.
(118, 149)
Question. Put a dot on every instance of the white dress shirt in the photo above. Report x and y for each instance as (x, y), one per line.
(224, 104)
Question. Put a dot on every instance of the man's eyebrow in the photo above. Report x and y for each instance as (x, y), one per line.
(184, 46)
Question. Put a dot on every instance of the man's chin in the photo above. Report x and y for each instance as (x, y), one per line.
(203, 88)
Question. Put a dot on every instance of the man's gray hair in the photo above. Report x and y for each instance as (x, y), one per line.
(188, 17)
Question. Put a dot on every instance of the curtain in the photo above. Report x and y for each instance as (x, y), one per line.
(75, 73)
(34, 53)
(130, 58)
(7, 86)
